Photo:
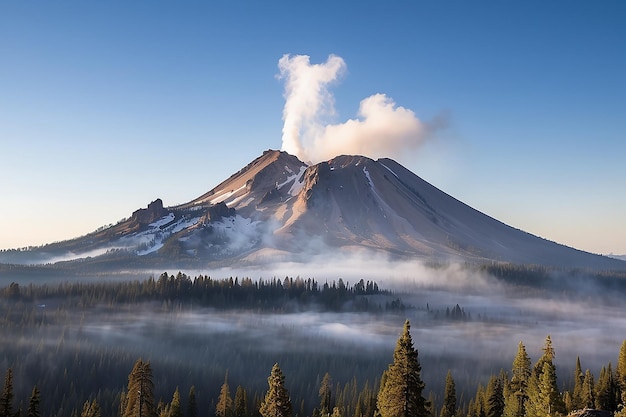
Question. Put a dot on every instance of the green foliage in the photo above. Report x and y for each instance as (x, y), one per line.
(621, 371)
(517, 390)
(192, 404)
(449, 397)
(401, 394)
(6, 398)
(494, 397)
(326, 391)
(224, 406)
(579, 378)
(276, 402)
(241, 402)
(34, 403)
(91, 409)
(140, 400)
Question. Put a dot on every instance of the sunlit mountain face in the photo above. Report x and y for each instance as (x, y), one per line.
(278, 208)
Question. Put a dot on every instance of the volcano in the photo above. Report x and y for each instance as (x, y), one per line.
(280, 208)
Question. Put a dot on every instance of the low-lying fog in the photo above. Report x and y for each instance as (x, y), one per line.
(587, 323)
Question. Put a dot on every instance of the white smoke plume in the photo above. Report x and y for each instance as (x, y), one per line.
(381, 129)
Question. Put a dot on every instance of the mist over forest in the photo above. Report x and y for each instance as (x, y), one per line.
(464, 319)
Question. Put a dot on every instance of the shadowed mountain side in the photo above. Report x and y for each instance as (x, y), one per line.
(279, 209)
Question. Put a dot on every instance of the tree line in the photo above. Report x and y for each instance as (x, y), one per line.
(526, 391)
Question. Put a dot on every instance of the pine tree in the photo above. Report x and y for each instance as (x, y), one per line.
(326, 389)
(449, 397)
(33, 403)
(224, 407)
(91, 409)
(515, 401)
(175, 409)
(401, 394)
(276, 402)
(544, 398)
(621, 372)
(6, 399)
(192, 403)
(140, 395)
(494, 400)
(588, 391)
(579, 378)
(605, 390)
(241, 402)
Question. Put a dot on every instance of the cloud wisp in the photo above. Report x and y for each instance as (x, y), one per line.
(381, 128)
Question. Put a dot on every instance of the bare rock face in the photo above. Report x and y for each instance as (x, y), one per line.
(144, 217)
(217, 212)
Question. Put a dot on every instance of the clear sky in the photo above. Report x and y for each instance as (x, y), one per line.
(106, 106)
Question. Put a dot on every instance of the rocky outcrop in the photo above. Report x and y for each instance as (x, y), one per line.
(144, 217)
(217, 212)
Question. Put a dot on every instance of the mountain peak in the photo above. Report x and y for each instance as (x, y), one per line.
(279, 204)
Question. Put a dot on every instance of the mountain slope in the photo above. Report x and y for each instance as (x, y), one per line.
(278, 208)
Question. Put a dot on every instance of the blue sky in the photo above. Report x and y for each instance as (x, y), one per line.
(106, 106)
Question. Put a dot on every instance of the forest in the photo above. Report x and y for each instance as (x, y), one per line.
(204, 347)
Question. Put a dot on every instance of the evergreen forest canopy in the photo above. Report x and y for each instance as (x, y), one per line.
(68, 349)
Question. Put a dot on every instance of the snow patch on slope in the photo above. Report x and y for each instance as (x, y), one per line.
(297, 183)
(151, 240)
(389, 169)
(241, 233)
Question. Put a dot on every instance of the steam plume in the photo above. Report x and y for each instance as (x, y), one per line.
(382, 129)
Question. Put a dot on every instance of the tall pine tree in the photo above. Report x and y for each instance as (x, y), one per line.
(276, 402)
(517, 390)
(192, 403)
(241, 402)
(139, 400)
(6, 399)
(224, 406)
(621, 373)
(401, 394)
(544, 398)
(449, 397)
(33, 403)
(579, 378)
(494, 397)
(326, 390)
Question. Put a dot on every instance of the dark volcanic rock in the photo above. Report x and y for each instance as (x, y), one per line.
(218, 211)
(144, 217)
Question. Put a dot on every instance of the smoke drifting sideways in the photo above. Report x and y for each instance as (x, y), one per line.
(382, 128)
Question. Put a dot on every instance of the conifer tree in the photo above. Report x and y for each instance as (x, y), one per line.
(448, 408)
(90, 409)
(241, 402)
(326, 389)
(140, 395)
(515, 401)
(33, 403)
(579, 378)
(401, 394)
(544, 398)
(621, 372)
(6, 399)
(192, 403)
(276, 402)
(605, 390)
(588, 391)
(494, 401)
(224, 406)
(175, 409)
